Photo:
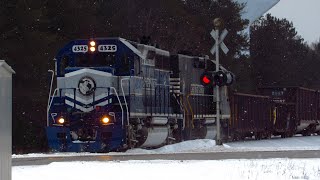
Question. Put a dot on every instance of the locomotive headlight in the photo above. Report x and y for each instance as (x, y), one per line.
(61, 120)
(92, 49)
(92, 43)
(105, 120)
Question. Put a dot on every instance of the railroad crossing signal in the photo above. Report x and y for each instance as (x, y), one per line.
(220, 42)
(218, 23)
(219, 78)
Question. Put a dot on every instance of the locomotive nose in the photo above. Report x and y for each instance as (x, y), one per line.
(86, 88)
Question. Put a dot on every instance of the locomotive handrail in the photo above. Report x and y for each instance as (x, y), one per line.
(51, 83)
(192, 119)
(119, 103)
(115, 91)
(49, 105)
(175, 97)
(202, 95)
(184, 113)
(192, 114)
(251, 95)
(124, 97)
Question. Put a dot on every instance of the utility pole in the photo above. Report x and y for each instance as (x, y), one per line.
(218, 24)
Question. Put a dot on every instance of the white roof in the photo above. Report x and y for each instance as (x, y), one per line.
(6, 67)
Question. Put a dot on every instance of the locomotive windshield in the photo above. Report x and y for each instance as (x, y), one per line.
(97, 60)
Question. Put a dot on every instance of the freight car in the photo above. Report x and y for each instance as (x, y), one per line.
(250, 116)
(283, 111)
(298, 109)
(260, 116)
(113, 94)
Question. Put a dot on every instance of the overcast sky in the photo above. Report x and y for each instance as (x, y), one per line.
(305, 15)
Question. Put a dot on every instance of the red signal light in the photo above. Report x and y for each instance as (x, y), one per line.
(206, 80)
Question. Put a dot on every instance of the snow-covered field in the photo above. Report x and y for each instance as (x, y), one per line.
(158, 169)
(166, 169)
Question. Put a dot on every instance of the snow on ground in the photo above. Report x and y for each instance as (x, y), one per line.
(199, 145)
(206, 145)
(160, 169)
(277, 143)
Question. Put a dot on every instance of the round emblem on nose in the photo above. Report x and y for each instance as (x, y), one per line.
(87, 86)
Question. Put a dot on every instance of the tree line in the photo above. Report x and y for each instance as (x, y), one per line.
(280, 57)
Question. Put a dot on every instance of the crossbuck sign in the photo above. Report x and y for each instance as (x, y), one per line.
(219, 41)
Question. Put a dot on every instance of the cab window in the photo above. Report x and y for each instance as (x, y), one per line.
(124, 63)
(96, 60)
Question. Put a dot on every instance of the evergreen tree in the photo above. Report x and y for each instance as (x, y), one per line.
(278, 53)
(316, 47)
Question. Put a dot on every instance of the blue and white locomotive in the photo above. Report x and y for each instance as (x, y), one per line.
(113, 94)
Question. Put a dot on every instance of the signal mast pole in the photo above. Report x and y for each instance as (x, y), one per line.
(217, 89)
(218, 24)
